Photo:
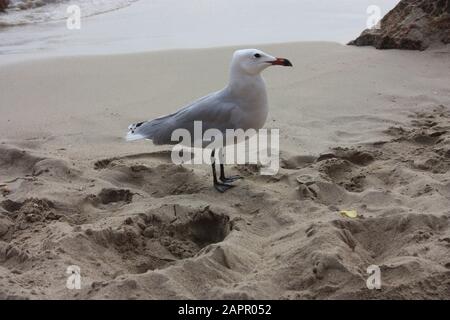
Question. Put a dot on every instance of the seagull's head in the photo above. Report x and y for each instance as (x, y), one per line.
(254, 61)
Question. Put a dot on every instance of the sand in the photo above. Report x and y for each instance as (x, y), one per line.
(361, 130)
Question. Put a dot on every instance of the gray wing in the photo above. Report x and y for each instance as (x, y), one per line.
(214, 110)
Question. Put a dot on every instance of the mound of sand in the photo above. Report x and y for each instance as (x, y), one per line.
(133, 239)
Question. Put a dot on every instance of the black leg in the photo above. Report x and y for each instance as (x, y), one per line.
(221, 187)
(222, 174)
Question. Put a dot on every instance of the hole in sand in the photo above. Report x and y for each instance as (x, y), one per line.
(159, 238)
(107, 196)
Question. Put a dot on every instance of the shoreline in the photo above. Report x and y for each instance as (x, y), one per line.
(41, 13)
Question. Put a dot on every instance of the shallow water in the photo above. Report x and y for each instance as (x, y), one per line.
(167, 24)
(22, 12)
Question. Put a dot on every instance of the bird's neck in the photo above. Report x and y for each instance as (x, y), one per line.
(244, 84)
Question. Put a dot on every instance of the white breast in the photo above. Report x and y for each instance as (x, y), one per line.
(251, 97)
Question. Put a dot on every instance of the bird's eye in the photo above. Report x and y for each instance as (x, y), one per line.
(257, 55)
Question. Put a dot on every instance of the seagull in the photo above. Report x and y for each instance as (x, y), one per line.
(242, 104)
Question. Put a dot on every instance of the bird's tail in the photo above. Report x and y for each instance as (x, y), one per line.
(132, 135)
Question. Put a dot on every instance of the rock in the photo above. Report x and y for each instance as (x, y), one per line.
(3, 5)
(411, 25)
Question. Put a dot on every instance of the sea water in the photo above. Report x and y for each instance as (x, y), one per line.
(124, 26)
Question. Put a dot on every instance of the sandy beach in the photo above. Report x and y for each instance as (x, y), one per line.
(361, 129)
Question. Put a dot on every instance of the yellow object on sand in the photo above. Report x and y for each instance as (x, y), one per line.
(349, 213)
